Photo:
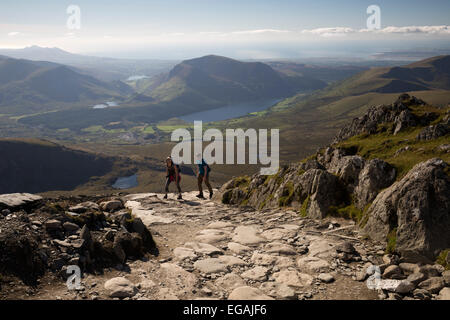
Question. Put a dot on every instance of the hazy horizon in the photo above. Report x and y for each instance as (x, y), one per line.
(240, 29)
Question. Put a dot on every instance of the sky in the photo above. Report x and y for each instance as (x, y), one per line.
(246, 29)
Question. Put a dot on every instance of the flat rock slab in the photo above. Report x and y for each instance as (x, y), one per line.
(182, 253)
(293, 278)
(231, 261)
(211, 265)
(238, 248)
(13, 200)
(220, 225)
(120, 288)
(279, 248)
(230, 282)
(257, 274)
(320, 248)
(212, 236)
(444, 294)
(313, 264)
(278, 234)
(177, 279)
(278, 291)
(263, 259)
(147, 215)
(248, 293)
(152, 220)
(247, 236)
(203, 248)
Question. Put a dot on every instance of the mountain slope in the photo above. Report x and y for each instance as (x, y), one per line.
(430, 74)
(223, 80)
(307, 122)
(387, 170)
(38, 166)
(33, 86)
(105, 69)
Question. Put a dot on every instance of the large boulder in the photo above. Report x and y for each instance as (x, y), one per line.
(321, 190)
(376, 175)
(17, 200)
(417, 208)
(120, 288)
(348, 169)
(434, 132)
(397, 113)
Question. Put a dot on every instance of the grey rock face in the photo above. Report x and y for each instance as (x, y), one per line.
(434, 132)
(375, 176)
(15, 200)
(398, 112)
(323, 189)
(418, 206)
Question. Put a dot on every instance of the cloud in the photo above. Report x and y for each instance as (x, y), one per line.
(15, 34)
(260, 31)
(330, 32)
(342, 31)
(417, 29)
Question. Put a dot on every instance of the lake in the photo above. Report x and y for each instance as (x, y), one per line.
(230, 111)
(123, 183)
(106, 105)
(137, 77)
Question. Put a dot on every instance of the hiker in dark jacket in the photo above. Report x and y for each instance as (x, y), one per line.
(203, 176)
(172, 174)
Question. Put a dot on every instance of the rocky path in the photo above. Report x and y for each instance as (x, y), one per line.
(213, 251)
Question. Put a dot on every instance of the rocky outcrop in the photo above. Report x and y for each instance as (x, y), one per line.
(18, 200)
(398, 115)
(417, 210)
(315, 187)
(53, 234)
(315, 190)
(375, 176)
(434, 132)
(412, 213)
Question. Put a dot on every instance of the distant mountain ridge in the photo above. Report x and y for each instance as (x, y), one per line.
(103, 68)
(429, 74)
(219, 79)
(38, 85)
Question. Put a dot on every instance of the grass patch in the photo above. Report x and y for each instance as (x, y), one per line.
(263, 204)
(365, 216)
(348, 212)
(304, 208)
(242, 183)
(149, 130)
(442, 259)
(391, 241)
(287, 195)
(384, 145)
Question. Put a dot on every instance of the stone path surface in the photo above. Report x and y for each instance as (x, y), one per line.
(213, 251)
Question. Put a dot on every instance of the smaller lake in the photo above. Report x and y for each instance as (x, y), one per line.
(123, 183)
(135, 78)
(106, 105)
(231, 111)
